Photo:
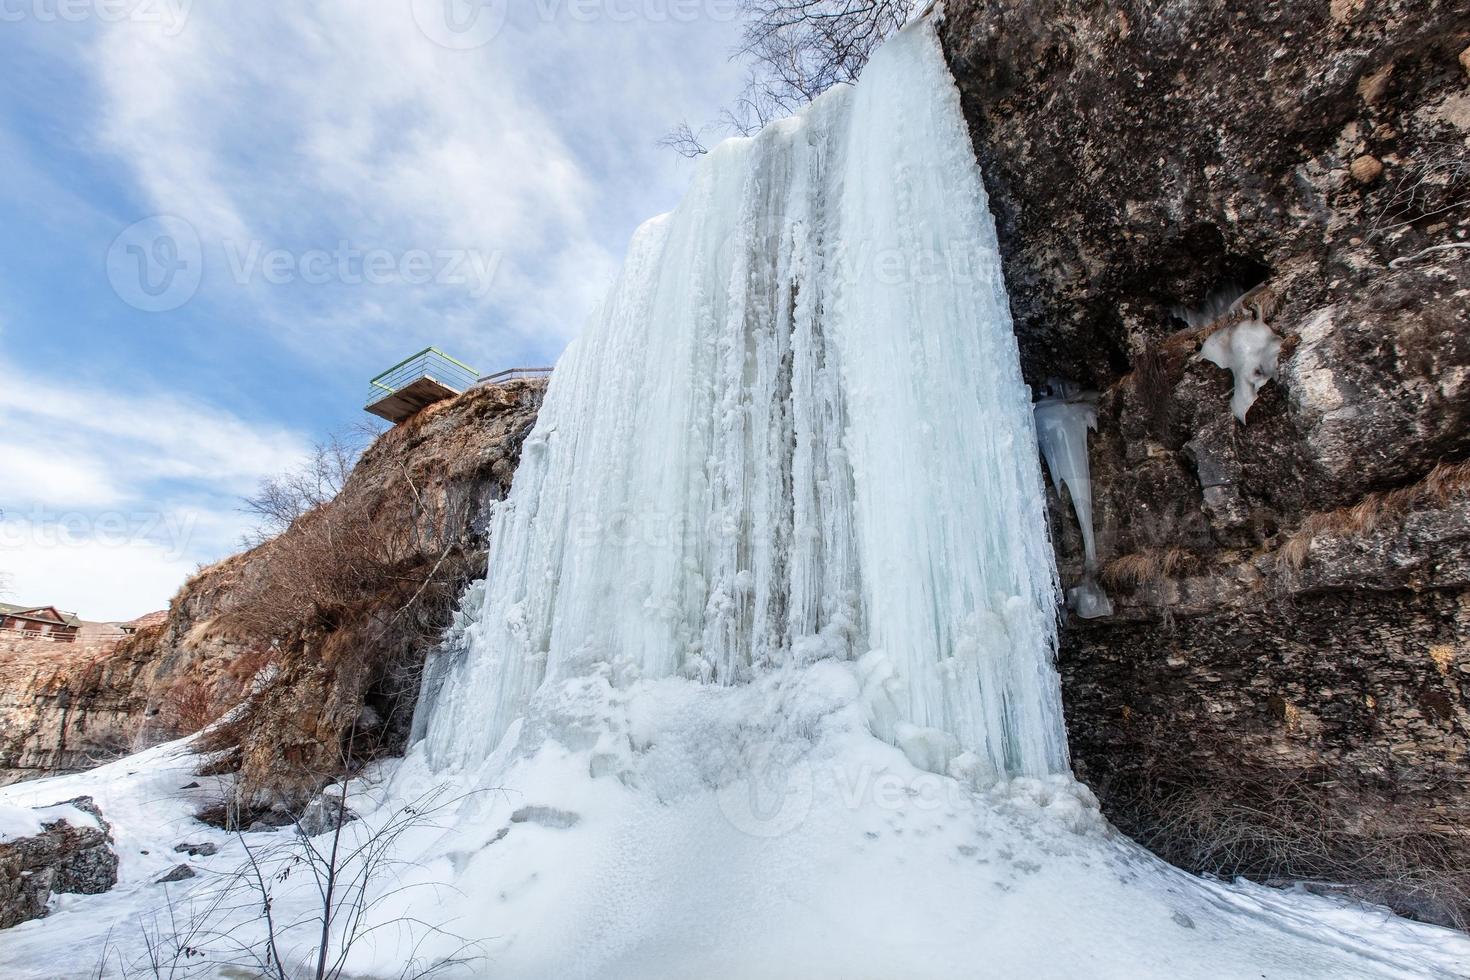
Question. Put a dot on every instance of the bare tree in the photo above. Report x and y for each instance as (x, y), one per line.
(795, 50)
(351, 880)
(284, 498)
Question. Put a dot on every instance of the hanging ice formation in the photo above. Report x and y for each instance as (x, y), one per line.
(796, 429)
(1245, 344)
(1063, 419)
(1250, 350)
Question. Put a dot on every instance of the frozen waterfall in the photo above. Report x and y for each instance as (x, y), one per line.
(796, 430)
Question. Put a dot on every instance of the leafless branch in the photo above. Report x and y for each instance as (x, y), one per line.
(795, 50)
(281, 500)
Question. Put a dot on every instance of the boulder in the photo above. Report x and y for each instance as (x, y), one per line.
(70, 852)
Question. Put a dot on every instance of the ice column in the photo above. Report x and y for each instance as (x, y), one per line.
(1063, 419)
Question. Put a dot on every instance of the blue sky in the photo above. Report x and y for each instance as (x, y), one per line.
(219, 220)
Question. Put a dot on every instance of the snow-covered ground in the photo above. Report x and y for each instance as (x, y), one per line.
(665, 828)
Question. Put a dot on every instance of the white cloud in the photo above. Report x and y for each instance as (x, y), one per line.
(99, 581)
(27, 471)
(300, 126)
(110, 499)
(104, 436)
(304, 125)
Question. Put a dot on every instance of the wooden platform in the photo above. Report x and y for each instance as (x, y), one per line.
(411, 399)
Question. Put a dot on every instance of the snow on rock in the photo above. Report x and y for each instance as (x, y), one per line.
(17, 821)
(64, 848)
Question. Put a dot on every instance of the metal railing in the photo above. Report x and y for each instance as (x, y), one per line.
(431, 362)
(511, 374)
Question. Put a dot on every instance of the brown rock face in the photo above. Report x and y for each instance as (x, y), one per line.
(64, 707)
(321, 631)
(1283, 689)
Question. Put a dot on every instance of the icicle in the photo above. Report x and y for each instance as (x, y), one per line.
(1063, 419)
(1251, 351)
(792, 433)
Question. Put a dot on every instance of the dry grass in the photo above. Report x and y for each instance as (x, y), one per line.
(1445, 483)
(1146, 567)
(344, 603)
(1283, 827)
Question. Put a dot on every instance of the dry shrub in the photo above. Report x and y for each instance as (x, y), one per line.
(327, 624)
(1146, 567)
(345, 555)
(244, 668)
(1287, 827)
(1153, 378)
(1445, 483)
(1431, 183)
(343, 604)
(188, 707)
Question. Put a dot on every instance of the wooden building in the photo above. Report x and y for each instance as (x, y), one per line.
(39, 622)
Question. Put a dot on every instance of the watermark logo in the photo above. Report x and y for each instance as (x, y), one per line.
(171, 534)
(471, 268)
(167, 14)
(156, 264)
(460, 25)
(771, 793)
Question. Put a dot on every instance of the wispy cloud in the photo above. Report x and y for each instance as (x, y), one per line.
(109, 498)
(311, 126)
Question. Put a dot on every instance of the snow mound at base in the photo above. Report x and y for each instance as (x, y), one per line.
(761, 831)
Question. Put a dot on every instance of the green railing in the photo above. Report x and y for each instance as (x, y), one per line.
(431, 362)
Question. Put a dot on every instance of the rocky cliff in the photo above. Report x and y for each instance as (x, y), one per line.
(67, 851)
(63, 707)
(1282, 689)
(315, 637)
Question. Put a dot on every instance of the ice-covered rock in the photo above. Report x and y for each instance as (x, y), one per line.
(796, 432)
(1250, 350)
(1064, 416)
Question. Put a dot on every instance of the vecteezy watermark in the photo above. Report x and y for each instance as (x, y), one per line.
(156, 264)
(40, 527)
(352, 266)
(771, 791)
(460, 25)
(170, 15)
(765, 254)
(465, 24)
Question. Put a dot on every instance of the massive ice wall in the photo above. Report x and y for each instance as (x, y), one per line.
(796, 429)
